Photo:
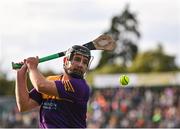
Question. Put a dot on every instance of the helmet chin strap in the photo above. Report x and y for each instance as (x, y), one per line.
(73, 74)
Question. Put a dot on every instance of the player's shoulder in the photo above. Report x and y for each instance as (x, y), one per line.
(54, 77)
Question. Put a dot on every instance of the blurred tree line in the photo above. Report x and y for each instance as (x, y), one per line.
(124, 29)
(126, 58)
(7, 87)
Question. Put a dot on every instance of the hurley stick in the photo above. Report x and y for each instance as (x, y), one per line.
(103, 42)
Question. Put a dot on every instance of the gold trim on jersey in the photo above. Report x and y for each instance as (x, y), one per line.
(45, 96)
(67, 86)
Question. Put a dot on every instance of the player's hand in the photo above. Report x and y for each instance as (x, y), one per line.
(23, 69)
(32, 62)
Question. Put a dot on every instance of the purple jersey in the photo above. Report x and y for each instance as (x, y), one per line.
(66, 111)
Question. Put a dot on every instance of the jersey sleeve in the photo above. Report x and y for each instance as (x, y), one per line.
(74, 89)
(35, 95)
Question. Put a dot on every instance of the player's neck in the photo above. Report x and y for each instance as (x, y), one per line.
(65, 77)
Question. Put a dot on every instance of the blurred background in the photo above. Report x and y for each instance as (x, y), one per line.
(147, 34)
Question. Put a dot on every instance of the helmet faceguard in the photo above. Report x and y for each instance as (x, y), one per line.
(80, 50)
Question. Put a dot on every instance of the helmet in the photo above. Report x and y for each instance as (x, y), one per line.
(76, 49)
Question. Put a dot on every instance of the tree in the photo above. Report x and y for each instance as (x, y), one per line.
(124, 31)
(7, 87)
(154, 61)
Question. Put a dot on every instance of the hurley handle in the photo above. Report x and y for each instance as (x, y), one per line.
(43, 59)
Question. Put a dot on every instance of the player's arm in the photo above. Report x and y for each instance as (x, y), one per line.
(40, 83)
(24, 102)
